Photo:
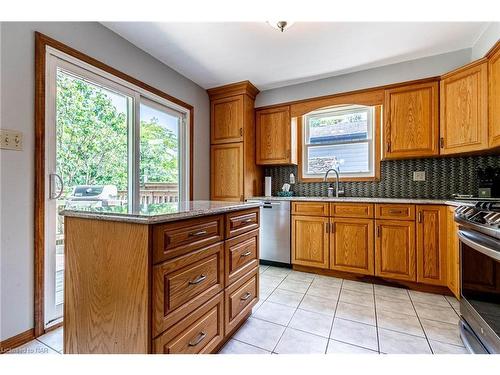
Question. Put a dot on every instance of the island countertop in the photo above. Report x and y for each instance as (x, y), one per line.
(157, 213)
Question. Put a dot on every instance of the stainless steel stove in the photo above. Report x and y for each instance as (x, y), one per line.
(479, 235)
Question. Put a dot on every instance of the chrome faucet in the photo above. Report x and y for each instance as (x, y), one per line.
(330, 189)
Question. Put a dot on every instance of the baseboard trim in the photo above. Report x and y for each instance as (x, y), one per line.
(17, 340)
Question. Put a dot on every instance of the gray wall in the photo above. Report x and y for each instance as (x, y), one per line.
(17, 168)
(405, 71)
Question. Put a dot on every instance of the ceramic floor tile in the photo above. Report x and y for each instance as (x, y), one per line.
(444, 332)
(392, 342)
(277, 271)
(455, 303)
(300, 276)
(298, 342)
(295, 286)
(33, 347)
(357, 298)
(337, 347)
(399, 322)
(321, 280)
(442, 348)
(357, 313)
(259, 333)
(358, 286)
(355, 333)
(429, 298)
(286, 297)
(330, 292)
(238, 347)
(53, 339)
(264, 293)
(392, 292)
(315, 323)
(262, 268)
(318, 304)
(269, 281)
(396, 305)
(442, 314)
(274, 313)
(257, 305)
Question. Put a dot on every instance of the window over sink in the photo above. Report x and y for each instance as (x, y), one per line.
(340, 137)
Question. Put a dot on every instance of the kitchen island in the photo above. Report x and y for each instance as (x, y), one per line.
(166, 278)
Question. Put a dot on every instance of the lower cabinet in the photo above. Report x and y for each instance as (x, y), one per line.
(395, 249)
(453, 253)
(351, 245)
(310, 241)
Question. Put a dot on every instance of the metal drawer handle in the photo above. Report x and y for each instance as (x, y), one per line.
(246, 254)
(198, 280)
(395, 211)
(246, 296)
(247, 221)
(200, 338)
(196, 234)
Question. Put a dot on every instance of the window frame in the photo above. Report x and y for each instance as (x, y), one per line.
(373, 144)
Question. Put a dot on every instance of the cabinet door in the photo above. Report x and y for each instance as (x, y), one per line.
(227, 172)
(411, 121)
(351, 245)
(276, 138)
(464, 110)
(494, 96)
(226, 119)
(310, 241)
(453, 253)
(395, 249)
(431, 244)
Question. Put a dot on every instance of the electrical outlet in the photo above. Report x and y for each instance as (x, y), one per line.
(11, 139)
(419, 176)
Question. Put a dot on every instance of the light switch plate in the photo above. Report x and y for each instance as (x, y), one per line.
(419, 176)
(11, 139)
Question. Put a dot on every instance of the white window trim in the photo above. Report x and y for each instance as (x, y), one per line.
(370, 140)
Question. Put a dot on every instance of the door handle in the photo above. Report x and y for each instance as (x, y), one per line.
(52, 185)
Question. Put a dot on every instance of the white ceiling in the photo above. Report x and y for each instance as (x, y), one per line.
(213, 54)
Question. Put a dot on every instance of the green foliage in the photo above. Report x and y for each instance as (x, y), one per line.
(92, 139)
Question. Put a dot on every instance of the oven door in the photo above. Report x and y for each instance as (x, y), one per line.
(480, 279)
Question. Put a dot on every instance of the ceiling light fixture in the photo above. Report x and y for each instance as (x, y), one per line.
(280, 25)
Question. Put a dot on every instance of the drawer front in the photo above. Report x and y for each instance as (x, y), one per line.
(173, 239)
(395, 211)
(185, 283)
(242, 255)
(240, 298)
(361, 210)
(310, 208)
(199, 332)
(240, 222)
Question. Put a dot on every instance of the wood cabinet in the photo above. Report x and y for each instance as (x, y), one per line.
(360, 210)
(411, 121)
(453, 252)
(234, 174)
(395, 249)
(310, 241)
(351, 245)
(310, 208)
(494, 96)
(431, 244)
(464, 109)
(395, 211)
(276, 137)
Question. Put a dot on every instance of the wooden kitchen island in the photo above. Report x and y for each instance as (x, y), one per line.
(169, 278)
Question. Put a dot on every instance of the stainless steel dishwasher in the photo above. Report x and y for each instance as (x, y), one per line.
(274, 232)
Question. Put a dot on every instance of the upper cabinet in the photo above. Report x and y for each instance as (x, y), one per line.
(276, 137)
(411, 121)
(494, 96)
(464, 109)
(227, 119)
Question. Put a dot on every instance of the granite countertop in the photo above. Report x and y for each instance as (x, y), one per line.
(448, 202)
(157, 213)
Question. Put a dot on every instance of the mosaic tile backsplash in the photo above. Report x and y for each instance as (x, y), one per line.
(444, 177)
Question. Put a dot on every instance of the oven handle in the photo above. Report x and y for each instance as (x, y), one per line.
(465, 237)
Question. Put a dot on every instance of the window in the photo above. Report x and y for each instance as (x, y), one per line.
(340, 138)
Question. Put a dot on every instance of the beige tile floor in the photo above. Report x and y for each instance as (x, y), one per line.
(305, 313)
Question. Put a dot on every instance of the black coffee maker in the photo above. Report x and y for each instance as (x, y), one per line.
(488, 182)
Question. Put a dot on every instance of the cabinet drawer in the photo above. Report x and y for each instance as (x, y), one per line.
(361, 210)
(395, 211)
(241, 222)
(173, 239)
(242, 255)
(198, 333)
(185, 283)
(240, 298)
(310, 208)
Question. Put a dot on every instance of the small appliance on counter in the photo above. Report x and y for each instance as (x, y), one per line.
(488, 182)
